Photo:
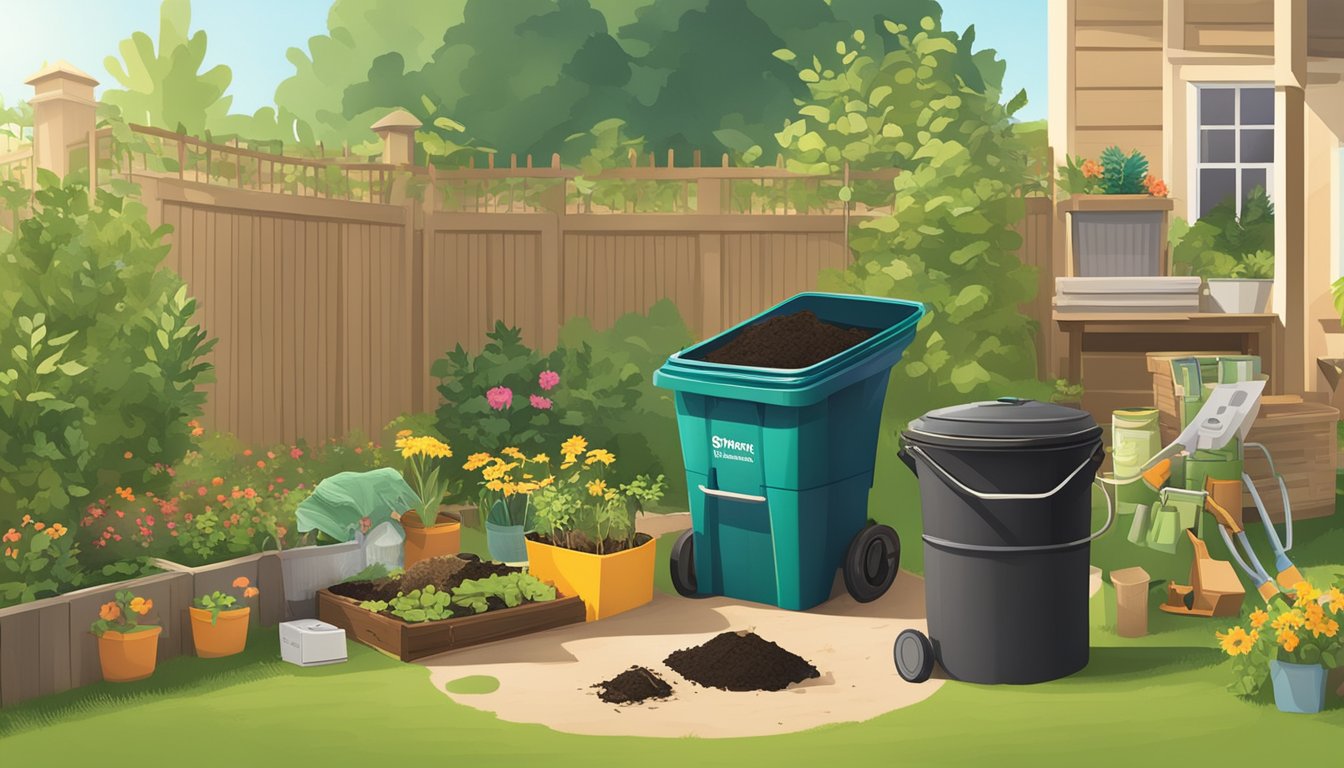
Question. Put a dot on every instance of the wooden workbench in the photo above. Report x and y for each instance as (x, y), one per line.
(1107, 353)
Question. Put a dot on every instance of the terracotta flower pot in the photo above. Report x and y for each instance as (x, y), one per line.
(607, 584)
(128, 656)
(224, 637)
(442, 538)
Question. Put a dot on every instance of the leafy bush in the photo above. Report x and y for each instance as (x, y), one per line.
(1223, 244)
(1117, 174)
(104, 358)
(948, 238)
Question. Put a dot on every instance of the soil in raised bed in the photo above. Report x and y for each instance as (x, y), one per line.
(580, 543)
(633, 686)
(741, 661)
(452, 575)
(788, 341)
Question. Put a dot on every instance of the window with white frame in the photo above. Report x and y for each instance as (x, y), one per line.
(1235, 144)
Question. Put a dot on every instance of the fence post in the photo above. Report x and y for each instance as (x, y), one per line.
(709, 203)
(64, 113)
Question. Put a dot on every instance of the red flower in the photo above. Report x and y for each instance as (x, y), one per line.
(295, 454)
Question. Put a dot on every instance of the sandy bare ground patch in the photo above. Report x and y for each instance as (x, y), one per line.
(546, 678)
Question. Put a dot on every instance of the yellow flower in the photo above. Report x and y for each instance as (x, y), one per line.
(510, 488)
(140, 605)
(495, 485)
(596, 487)
(1258, 618)
(546, 481)
(1288, 620)
(598, 454)
(1305, 592)
(1336, 600)
(477, 460)
(541, 458)
(528, 487)
(513, 453)
(1288, 639)
(573, 446)
(56, 531)
(567, 463)
(1237, 642)
(1320, 625)
(404, 433)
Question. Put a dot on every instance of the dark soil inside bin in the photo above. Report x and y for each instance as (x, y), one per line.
(741, 661)
(443, 572)
(633, 686)
(788, 341)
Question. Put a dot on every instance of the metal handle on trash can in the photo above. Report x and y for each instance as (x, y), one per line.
(731, 495)
(999, 496)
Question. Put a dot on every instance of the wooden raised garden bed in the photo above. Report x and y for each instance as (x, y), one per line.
(409, 642)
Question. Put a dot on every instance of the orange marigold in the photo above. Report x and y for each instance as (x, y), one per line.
(109, 612)
(242, 582)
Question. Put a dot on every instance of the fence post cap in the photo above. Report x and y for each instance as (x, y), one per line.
(398, 121)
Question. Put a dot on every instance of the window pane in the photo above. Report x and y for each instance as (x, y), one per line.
(1215, 186)
(1257, 106)
(1250, 179)
(1216, 106)
(1217, 147)
(1257, 146)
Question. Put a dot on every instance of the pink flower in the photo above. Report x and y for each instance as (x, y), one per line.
(296, 453)
(548, 379)
(540, 403)
(499, 398)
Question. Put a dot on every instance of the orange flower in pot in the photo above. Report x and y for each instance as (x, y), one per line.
(127, 649)
(219, 623)
(430, 532)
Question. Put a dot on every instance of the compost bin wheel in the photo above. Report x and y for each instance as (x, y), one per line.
(683, 564)
(913, 654)
(872, 561)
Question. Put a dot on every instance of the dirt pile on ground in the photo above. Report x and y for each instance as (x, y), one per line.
(442, 574)
(788, 341)
(633, 686)
(741, 661)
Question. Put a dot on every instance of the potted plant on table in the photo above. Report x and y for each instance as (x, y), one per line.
(127, 650)
(507, 484)
(431, 531)
(218, 623)
(1293, 643)
(1233, 253)
(585, 540)
(1118, 212)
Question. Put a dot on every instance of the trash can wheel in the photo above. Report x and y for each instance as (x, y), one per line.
(683, 564)
(913, 654)
(872, 561)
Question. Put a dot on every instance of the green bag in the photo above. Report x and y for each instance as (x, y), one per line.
(339, 504)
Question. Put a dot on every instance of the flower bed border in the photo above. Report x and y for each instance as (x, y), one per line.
(46, 646)
(410, 642)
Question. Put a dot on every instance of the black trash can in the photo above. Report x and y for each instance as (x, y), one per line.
(1006, 490)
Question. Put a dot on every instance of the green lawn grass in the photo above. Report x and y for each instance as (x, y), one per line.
(1159, 700)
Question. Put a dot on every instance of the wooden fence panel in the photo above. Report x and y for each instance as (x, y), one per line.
(760, 269)
(1037, 237)
(607, 275)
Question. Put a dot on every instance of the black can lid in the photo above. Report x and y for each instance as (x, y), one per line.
(1006, 420)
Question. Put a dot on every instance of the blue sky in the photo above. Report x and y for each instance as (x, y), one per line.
(251, 37)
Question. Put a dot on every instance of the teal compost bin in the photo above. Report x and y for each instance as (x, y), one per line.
(779, 462)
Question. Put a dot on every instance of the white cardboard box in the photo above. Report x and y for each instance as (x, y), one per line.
(309, 642)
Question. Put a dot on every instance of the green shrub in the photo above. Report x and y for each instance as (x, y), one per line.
(103, 363)
(943, 234)
(1223, 244)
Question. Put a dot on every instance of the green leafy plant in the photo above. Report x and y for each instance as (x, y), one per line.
(120, 614)
(579, 510)
(41, 559)
(374, 572)
(1117, 174)
(428, 604)
(427, 472)
(104, 367)
(513, 589)
(1221, 244)
(216, 602)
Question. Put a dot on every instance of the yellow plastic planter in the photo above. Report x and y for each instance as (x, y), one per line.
(127, 657)
(217, 639)
(607, 584)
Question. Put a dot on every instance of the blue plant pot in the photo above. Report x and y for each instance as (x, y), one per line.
(507, 543)
(1298, 688)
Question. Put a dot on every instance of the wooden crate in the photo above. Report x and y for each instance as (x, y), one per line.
(1299, 435)
(409, 642)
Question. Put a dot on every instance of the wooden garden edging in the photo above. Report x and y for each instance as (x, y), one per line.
(46, 646)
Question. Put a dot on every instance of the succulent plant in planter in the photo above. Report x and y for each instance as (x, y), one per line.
(1233, 253)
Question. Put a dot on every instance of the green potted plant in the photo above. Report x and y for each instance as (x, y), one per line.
(127, 649)
(1118, 213)
(1233, 253)
(1294, 643)
(505, 502)
(585, 540)
(219, 623)
(430, 530)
